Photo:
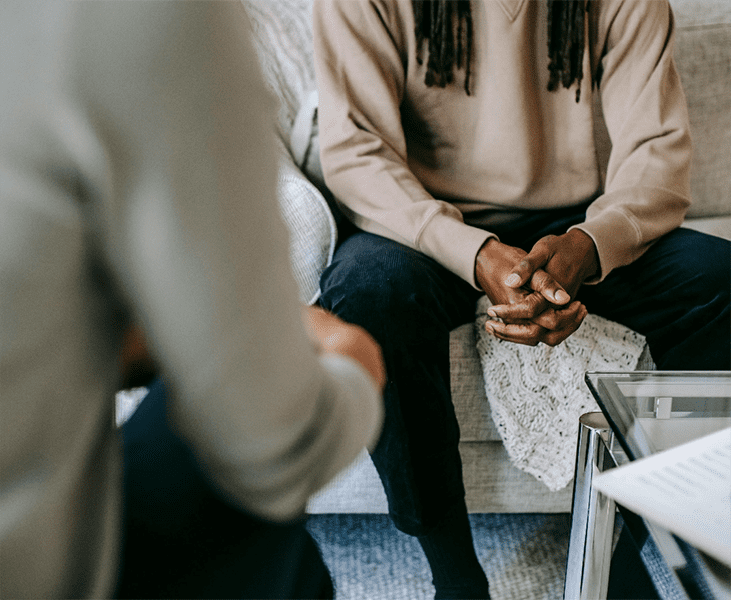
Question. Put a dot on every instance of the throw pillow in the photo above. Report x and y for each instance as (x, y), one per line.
(282, 35)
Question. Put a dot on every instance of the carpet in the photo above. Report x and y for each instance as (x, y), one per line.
(524, 556)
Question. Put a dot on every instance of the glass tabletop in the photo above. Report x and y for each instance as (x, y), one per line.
(650, 411)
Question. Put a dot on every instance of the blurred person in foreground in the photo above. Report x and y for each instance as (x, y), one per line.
(137, 184)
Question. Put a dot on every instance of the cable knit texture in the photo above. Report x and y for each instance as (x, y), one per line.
(537, 394)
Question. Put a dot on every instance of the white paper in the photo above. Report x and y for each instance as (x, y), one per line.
(686, 490)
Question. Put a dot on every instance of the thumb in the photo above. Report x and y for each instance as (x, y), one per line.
(521, 273)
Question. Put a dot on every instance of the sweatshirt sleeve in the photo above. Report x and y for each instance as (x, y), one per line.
(360, 63)
(170, 99)
(647, 189)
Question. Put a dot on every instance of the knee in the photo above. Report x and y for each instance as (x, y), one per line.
(387, 281)
(701, 263)
(713, 264)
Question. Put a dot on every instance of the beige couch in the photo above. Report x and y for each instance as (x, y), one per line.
(284, 42)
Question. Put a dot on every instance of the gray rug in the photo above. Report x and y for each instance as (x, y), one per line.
(524, 556)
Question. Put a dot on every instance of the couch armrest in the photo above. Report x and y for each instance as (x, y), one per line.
(312, 228)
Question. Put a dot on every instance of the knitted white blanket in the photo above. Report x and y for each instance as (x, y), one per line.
(537, 394)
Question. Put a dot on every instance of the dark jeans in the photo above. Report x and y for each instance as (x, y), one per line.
(677, 295)
(181, 540)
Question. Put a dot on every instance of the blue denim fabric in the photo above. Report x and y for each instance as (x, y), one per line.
(182, 540)
(677, 295)
(409, 303)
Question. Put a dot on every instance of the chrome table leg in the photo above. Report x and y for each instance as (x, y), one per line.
(592, 515)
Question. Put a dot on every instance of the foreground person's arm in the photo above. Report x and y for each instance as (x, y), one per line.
(331, 334)
(189, 223)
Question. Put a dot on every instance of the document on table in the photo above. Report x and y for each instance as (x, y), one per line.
(685, 489)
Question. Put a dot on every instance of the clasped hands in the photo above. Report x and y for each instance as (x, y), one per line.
(533, 293)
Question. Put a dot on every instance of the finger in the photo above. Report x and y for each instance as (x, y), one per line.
(559, 318)
(554, 338)
(522, 272)
(528, 334)
(529, 264)
(548, 287)
(528, 308)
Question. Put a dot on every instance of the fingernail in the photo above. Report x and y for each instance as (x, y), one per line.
(491, 312)
(561, 296)
(512, 280)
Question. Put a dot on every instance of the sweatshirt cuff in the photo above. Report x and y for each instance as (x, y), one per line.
(616, 238)
(453, 244)
(362, 401)
(349, 418)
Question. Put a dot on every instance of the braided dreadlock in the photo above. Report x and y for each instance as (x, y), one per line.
(435, 26)
(566, 43)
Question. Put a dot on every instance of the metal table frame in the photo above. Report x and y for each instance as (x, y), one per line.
(593, 522)
(592, 514)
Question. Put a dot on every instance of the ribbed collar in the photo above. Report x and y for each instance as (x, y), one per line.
(511, 8)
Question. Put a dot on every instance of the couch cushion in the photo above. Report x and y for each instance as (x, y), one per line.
(703, 58)
(719, 226)
(699, 13)
(468, 387)
(282, 34)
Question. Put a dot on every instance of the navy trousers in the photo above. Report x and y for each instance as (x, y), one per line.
(181, 540)
(676, 294)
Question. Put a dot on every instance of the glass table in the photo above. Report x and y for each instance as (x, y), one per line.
(643, 412)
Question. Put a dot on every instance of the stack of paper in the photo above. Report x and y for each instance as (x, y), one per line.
(686, 490)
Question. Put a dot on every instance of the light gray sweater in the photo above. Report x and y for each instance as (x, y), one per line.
(137, 178)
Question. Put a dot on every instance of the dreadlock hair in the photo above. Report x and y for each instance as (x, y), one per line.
(436, 21)
(566, 43)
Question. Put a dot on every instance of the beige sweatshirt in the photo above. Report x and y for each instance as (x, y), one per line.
(433, 168)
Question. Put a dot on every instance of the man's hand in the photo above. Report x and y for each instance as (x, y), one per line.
(331, 334)
(570, 259)
(137, 366)
(534, 307)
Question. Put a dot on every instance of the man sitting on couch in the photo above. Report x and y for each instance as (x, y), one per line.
(463, 153)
